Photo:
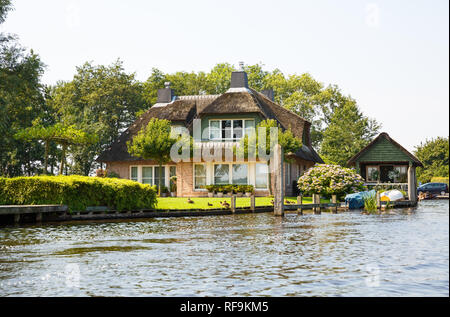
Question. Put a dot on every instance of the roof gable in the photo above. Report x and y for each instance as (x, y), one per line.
(384, 148)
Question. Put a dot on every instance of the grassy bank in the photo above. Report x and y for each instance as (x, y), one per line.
(77, 192)
(181, 203)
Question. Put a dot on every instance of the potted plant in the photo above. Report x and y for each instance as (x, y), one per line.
(228, 189)
(220, 190)
(211, 189)
(240, 190)
(164, 191)
(173, 186)
(249, 190)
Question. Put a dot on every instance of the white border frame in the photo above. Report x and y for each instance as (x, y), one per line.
(232, 128)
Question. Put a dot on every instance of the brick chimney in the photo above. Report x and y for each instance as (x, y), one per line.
(166, 94)
(269, 94)
(239, 78)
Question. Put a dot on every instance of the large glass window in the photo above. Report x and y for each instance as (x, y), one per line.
(372, 174)
(226, 129)
(261, 175)
(237, 129)
(163, 175)
(221, 174)
(401, 174)
(199, 176)
(172, 171)
(249, 127)
(134, 173)
(230, 129)
(147, 175)
(240, 174)
(214, 130)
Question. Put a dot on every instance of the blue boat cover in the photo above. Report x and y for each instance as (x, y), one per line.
(356, 200)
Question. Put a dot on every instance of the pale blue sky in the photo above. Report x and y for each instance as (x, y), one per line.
(391, 56)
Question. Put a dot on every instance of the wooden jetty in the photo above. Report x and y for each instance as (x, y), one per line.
(35, 210)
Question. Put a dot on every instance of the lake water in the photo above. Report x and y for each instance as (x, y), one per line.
(346, 254)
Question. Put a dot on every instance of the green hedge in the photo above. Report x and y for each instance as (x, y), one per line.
(229, 188)
(439, 180)
(77, 192)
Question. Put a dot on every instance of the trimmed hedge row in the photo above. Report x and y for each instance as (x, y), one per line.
(439, 180)
(77, 192)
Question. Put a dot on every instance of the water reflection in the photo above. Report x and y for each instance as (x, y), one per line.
(348, 254)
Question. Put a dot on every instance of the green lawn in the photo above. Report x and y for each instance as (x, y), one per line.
(172, 203)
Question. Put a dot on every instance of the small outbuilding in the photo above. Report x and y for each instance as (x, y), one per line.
(385, 162)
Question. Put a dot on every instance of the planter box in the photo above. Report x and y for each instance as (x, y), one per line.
(220, 195)
(173, 194)
(239, 194)
(210, 195)
(248, 194)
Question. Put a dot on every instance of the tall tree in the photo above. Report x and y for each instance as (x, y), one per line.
(21, 102)
(153, 142)
(347, 133)
(58, 133)
(434, 155)
(101, 100)
(5, 7)
(301, 94)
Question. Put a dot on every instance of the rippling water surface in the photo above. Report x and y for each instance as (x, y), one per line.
(348, 254)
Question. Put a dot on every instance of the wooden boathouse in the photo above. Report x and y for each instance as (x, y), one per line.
(385, 162)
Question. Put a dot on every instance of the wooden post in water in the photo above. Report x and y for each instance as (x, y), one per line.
(316, 200)
(300, 202)
(334, 201)
(233, 203)
(412, 186)
(252, 203)
(278, 180)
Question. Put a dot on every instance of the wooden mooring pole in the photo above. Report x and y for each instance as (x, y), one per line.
(316, 200)
(300, 202)
(334, 201)
(252, 203)
(233, 203)
(277, 169)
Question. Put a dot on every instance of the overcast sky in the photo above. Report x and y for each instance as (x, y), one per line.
(391, 56)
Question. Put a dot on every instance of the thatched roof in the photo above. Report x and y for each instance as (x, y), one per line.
(186, 108)
(386, 136)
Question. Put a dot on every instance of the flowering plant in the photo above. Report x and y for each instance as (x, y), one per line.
(327, 180)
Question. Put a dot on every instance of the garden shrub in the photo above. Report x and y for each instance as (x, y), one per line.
(77, 192)
(327, 180)
(439, 180)
(228, 188)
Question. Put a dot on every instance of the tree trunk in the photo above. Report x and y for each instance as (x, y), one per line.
(63, 158)
(46, 157)
(159, 180)
(270, 178)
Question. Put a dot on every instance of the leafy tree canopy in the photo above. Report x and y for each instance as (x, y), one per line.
(286, 139)
(347, 133)
(434, 155)
(301, 94)
(153, 142)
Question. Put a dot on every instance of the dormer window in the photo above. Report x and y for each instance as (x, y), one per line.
(230, 129)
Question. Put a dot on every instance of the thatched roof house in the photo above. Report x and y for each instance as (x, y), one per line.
(232, 112)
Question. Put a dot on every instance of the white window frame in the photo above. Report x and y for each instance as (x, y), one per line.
(377, 167)
(153, 174)
(230, 171)
(267, 178)
(137, 176)
(193, 177)
(166, 173)
(232, 128)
